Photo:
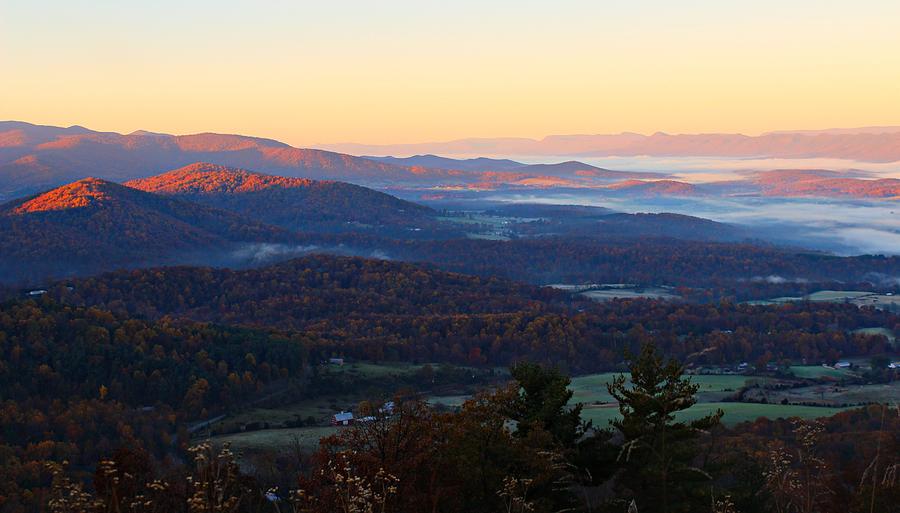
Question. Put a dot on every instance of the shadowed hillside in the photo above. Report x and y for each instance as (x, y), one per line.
(93, 224)
(292, 203)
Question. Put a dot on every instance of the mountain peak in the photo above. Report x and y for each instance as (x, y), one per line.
(292, 203)
(82, 193)
(148, 133)
(207, 178)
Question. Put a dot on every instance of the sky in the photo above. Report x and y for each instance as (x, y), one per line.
(403, 71)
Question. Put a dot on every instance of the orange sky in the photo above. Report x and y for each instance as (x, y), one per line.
(411, 71)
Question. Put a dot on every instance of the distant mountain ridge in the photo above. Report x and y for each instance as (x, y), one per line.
(876, 144)
(438, 162)
(842, 131)
(36, 157)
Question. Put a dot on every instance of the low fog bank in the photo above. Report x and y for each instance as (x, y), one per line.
(40, 275)
(876, 279)
(775, 279)
(259, 254)
(699, 169)
(842, 227)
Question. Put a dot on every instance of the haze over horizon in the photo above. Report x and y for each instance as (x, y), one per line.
(406, 72)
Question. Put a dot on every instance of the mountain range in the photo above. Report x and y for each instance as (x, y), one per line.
(92, 201)
(438, 162)
(778, 183)
(35, 158)
(783, 183)
(872, 144)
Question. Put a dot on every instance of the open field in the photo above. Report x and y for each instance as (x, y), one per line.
(834, 395)
(819, 372)
(589, 286)
(734, 412)
(490, 227)
(376, 370)
(589, 390)
(450, 401)
(358, 382)
(308, 437)
(592, 388)
(743, 412)
(608, 291)
(608, 294)
(836, 295)
(278, 439)
(484, 220)
(856, 297)
(320, 409)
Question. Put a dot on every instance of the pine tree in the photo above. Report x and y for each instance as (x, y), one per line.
(658, 453)
(543, 402)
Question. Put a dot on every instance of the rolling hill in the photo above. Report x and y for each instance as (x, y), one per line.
(825, 183)
(654, 188)
(438, 162)
(598, 223)
(580, 169)
(93, 225)
(291, 203)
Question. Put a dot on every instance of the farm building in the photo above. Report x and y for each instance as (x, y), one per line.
(842, 365)
(336, 361)
(344, 418)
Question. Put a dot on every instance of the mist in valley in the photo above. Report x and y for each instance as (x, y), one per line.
(841, 226)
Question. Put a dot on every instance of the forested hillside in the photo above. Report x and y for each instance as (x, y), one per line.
(94, 225)
(385, 310)
(78, 383)
(291, 203)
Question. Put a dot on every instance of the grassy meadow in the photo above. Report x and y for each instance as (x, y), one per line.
(599, 406)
